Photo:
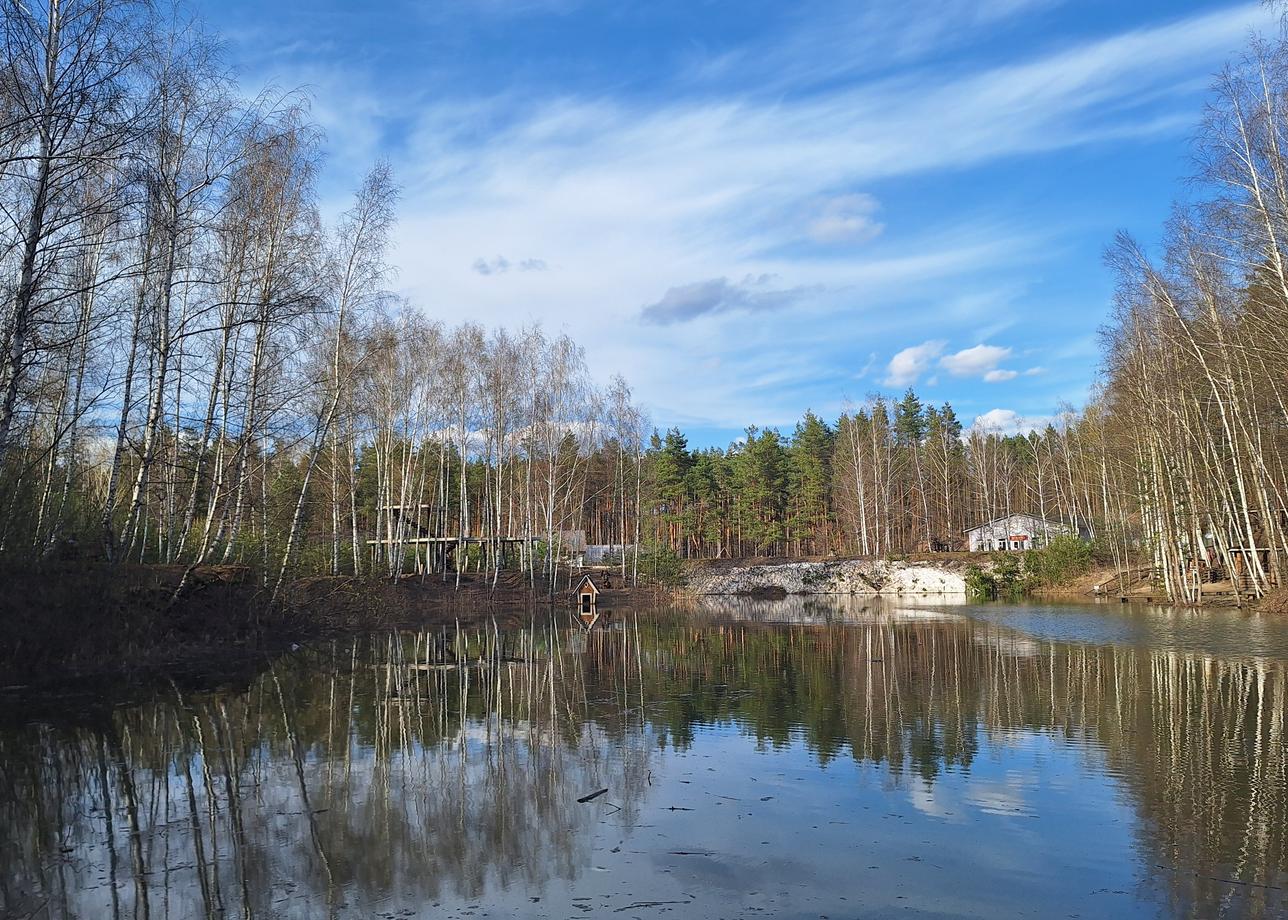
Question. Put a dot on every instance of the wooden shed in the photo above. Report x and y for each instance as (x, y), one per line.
(1244, 559)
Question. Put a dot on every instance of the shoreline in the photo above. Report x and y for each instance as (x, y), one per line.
(75, 632)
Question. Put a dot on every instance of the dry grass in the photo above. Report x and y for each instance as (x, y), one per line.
(1275, 602)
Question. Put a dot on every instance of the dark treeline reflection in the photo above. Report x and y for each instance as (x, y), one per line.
(446, 765)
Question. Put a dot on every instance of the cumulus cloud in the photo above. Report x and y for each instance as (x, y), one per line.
(500, 265)
(975, 362)
(1000, 375)
(1008, 421)
(719, 295)
(908, 365)
(846, 219)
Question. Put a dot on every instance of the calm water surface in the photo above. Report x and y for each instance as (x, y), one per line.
(804, 758)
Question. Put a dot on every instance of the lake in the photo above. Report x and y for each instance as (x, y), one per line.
(811, 757)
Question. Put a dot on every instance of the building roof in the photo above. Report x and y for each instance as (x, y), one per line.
(1024, 514)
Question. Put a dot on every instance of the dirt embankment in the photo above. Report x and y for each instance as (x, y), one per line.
(1099, 582)
(868, 577)
(64, 625)
(1139, 585)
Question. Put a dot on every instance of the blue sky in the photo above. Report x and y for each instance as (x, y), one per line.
(750, 209)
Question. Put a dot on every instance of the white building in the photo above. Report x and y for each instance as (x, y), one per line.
(1016, 532)
(600, 553)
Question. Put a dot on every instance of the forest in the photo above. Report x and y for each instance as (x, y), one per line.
(198, 368)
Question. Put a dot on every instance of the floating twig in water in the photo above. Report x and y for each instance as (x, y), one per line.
(594, 795)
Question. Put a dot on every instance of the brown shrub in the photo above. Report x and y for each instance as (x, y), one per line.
(1275, 602)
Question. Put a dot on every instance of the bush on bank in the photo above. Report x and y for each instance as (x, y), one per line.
(1014, 574)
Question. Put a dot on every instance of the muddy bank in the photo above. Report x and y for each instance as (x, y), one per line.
(70, 627)
(1138, 585)
(856, 577)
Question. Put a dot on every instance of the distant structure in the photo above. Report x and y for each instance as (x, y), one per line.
(422, 528)
(574, 548)
(1015, 532)
(586, 593)
(604, 553)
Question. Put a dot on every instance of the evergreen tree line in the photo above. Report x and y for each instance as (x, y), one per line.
(890, 477)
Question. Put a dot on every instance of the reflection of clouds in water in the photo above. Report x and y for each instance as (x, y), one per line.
(952, 801)
(1008, 798)
(1011, 644)
(936, 800)
(925, 616)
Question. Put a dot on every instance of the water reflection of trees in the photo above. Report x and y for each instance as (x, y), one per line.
(429, 766)
(1198, 740)
(351, 776)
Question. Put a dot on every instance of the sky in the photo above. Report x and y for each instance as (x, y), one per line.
(751, 209)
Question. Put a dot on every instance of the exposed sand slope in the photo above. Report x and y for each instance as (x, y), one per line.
(852, 576)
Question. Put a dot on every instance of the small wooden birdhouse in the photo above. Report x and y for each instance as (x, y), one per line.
(586, 594)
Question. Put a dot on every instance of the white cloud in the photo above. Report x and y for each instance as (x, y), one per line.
(1034, 371)
(907, 366)
(976, 361)
(1000, 375)
(1008, 421)
(846, 219)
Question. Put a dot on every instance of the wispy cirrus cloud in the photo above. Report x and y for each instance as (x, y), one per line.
(762, 166)
(846, 219)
